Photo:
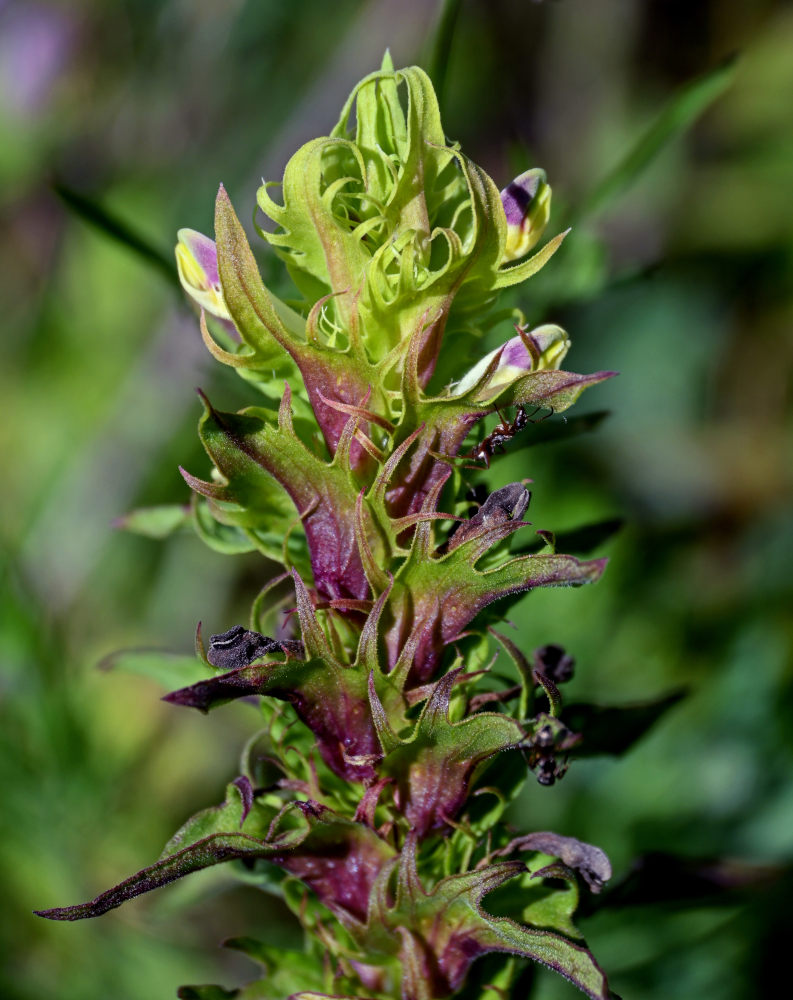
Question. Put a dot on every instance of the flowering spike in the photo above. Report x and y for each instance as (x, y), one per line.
(364, 786)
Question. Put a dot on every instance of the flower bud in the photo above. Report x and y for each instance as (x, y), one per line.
(536, 350)
(527, 205)
(197, 261)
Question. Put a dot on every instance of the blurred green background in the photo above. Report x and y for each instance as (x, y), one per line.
(682, 280)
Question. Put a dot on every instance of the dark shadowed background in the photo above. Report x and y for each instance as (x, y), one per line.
(117, 122)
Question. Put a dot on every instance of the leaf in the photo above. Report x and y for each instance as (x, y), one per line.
(330, 699)
(96, 215)
(449, 929)
(169, 669)
(615, 730)
(252, 307)
(254, 457)
(678, 115)
(155, 522)
(206, 993)
(552, 908)
(228, 539)
(551, 431)
(208, 852)
(302, 838)
(578, 541)
(517, 273)
(212, 836)
(434, 767)
(436, 598)
(556, 390)
(441, 44)
(662, 878)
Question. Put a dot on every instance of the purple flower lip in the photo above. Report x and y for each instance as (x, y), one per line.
(518, 195)
(515, 355)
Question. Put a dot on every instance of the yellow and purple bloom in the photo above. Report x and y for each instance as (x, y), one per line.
(197, 261)
(527, 205)
(542, 349)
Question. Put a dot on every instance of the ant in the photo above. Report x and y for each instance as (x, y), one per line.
(501, 434)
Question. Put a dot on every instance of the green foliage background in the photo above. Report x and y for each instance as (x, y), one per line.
(679, 275)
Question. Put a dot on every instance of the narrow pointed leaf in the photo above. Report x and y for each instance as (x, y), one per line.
(679, 115)
(615, 730)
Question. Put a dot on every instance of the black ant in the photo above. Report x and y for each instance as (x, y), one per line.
(501, 434)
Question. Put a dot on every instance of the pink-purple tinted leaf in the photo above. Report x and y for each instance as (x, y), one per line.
(448, 930)
(434, 768)
(331, 700)
(247, 450)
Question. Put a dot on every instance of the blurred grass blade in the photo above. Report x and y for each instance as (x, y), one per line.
(440, 46)
(678, 115)
(90, 211)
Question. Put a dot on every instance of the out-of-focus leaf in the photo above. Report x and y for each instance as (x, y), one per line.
(205, 993)
(228, 539)
(659, 877)
(287, 973)
(169, 669)
(579, 541)
(615, 730)
(441, 45)
(325, 996)
(155, 522)
(547, 431)
(678, 115)
(96, 215)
